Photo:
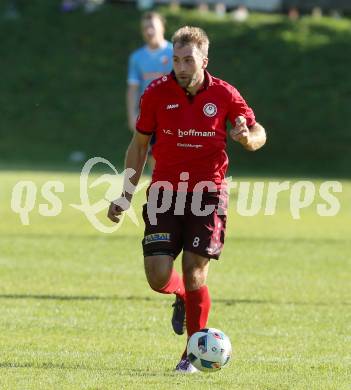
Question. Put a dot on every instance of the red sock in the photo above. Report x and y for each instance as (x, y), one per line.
(175, 285)
(198, 304)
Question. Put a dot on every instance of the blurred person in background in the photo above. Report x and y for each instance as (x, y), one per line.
(146, 64)
(11, 10)
(88, 5)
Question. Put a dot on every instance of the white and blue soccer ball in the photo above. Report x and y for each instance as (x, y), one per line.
(209, 349)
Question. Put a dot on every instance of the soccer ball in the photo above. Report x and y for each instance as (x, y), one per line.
(209, 349)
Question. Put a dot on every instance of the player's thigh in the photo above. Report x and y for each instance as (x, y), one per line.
(163, 238)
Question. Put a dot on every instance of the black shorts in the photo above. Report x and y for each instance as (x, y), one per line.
(200, 234)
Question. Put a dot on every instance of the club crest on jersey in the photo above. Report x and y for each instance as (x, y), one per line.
(210, 109)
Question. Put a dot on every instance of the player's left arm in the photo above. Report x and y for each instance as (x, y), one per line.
(252, 138)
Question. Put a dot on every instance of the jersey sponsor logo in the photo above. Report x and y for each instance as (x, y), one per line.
(195, 133)
(210, 109)
(157, 237)
(188, 146)
(172, 106)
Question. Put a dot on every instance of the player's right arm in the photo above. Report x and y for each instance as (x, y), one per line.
(135, 160)
(134, 165)
(136, 153)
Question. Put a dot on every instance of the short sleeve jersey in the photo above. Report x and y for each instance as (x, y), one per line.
(190, 130)
(146, 65)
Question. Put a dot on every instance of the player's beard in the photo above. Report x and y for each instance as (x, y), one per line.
(187, 81)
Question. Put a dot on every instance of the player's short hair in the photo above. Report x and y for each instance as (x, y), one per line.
(192, 35)
(153, 15)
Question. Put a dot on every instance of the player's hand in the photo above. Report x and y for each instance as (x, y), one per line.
(117, 207)
(241, 132)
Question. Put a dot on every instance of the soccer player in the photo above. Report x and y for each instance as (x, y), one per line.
(147, 63)
(188, 109)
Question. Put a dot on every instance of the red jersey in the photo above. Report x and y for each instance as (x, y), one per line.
(190, 130)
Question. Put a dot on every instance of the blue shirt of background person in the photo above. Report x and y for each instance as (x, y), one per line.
(146, 65)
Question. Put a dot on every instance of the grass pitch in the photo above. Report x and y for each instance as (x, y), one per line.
(76, 311)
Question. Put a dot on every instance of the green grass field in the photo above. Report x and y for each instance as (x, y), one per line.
(76, 311)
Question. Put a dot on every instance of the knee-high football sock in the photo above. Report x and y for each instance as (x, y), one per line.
(175, 285)
(197, 307)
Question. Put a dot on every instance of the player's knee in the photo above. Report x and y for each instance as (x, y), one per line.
(158, 280)
(195, 269)
(157, 273)
(194, 278)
